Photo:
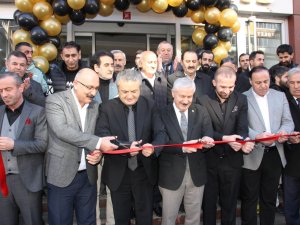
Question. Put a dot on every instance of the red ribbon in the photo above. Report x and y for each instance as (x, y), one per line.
(3, 185)
(199, 145)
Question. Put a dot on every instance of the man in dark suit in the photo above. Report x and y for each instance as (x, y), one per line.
(292, 153)
(268, 114)
(23, 142)
(73, 151)
(17, 62)
(228, 112)
(182, 171)
(190, 64)
(154, 84)
(135, 120)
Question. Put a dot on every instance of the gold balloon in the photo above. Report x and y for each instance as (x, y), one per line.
(175, 3)
(106, 10)
(49, 51)
(35, 1)
(226, 45)
(144, 6)
(107, 2)
(212, 15)
(76, 4)
(52, 26)
(219, 53)
(189, 13)
(228, 17)
(35, 49)
(236, 26)
(198, 16)
(90, 16)
(42, 10)
(41, 62)
(160, 6)
(24, 5)
(62, 19)
(198, 36)
(20, 35)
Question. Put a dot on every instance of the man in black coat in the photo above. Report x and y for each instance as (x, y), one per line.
(182, 171)
(228, 112)
(135, 120)
(292, 153)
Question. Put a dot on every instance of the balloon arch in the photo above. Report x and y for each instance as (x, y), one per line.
(40, 21)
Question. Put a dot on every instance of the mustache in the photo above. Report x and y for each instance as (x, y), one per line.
(191, 67)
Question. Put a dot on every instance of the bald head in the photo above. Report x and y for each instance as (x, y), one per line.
(148, 63)
(86, 85)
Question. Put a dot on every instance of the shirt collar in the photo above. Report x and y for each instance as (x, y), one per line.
(17, 110)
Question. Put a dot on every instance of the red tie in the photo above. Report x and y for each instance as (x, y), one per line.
(3, 185)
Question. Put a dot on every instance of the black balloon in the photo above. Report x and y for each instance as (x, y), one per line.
(193, 4)
(234, 7)
(17, 13)
(122, 5)
(61, 7)
(181, 10)
(225, 34)
(223, 4)
(38, 35)
(210, 41)
(209, 3)
(135, 2)
(211, 28)
(77, 17)
(55, 40)
(91, 7)
(27, 21)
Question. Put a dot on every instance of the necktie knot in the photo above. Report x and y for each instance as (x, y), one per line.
(298, 102)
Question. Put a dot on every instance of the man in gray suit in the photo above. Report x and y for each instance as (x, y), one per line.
(23, 141)
(73, 151)
(268, 114)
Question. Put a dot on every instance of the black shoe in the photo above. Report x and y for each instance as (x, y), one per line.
(158, 211)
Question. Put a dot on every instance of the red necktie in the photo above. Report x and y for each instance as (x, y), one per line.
(3, 185)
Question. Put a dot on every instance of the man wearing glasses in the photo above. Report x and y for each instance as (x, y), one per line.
(74, 151)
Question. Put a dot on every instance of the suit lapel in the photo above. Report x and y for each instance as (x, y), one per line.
(231, 104)
(71, 101)
(216, 107)
(272, 108)
(121, 117)
(2, 112)
(24, 115)
(89, 114)
(174, 121)
(255, 107)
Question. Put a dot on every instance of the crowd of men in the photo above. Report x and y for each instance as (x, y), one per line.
(189, 128)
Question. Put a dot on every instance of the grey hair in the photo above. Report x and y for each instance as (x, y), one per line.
(118, 51)
(129, 75)
(15, 76)
(293, 71)
(184, 82)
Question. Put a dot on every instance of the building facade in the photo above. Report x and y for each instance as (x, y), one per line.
(265, 24)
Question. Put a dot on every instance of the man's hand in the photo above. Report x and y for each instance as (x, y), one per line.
(159, 63)
(6, 144)
(282, 139)
(248, 146)
(26, 83)
(135, 144)
(147, 149)
(208, 142)
(187, 149)
(234, 145)
(265, 135)
(106, 145)
(295, 139)
(94, 158)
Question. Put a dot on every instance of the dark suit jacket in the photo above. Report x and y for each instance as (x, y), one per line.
(172, 161)
(292, 151)
(30, 145)
(235, 122)
(202, 81)
(242, 82)
(158, 93)
(113, 121)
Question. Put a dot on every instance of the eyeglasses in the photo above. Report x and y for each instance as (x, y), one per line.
(90, 88)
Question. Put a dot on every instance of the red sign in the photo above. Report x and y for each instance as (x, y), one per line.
(126, 15)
